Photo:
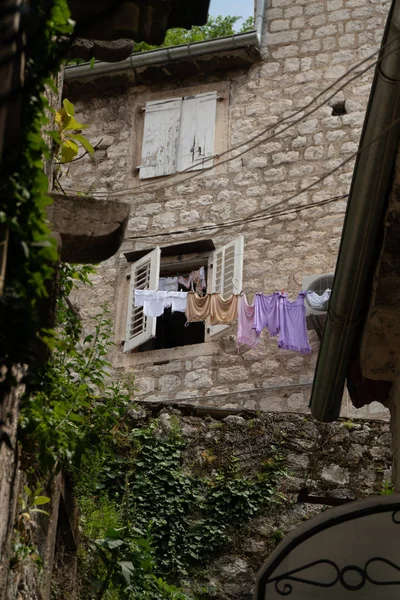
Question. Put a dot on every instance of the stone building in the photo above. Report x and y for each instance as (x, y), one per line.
(247, 214)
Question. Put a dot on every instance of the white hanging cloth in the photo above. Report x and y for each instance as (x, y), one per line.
(155, 302)
(318, 301)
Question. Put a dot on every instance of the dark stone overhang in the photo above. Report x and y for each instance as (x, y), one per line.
(139, 20)
(90, 230)
(361, 340)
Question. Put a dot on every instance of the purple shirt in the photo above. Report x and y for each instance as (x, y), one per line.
(246, 334)
(280, 315)
(266, 313)
(293, 328)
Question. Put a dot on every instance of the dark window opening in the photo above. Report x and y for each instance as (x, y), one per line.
(339, 108)
(172, 328)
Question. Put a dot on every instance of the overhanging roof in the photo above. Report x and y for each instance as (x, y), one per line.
(362, 235)
(139, 20)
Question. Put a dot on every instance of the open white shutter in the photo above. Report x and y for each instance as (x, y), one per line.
(197, 131)
(160, 138)
(227, 274)
(144, 276)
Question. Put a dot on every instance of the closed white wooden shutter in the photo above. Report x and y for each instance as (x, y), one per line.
(227, 274)
(197, 131)
(160, 138)
(144, 276)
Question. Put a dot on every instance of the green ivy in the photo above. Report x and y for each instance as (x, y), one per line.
(76, 404)
(186, 518)
(23, 191)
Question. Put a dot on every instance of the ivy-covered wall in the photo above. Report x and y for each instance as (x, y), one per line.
(214, 496)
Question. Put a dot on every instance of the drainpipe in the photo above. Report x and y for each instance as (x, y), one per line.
(166, 55)
(259, 19)
(369, 191)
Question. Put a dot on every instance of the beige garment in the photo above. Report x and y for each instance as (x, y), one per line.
(212, 307)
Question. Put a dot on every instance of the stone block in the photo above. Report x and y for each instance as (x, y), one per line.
(297, 402)
(199, 379)
(279, 25)
(164, 220)
(233, 374)
(335, 474)
(168, 383)
(285, 157)
(282, 37)
(189, 216)
(144, 385)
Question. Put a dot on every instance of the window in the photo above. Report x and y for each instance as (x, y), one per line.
(224, 269)
(179, 134)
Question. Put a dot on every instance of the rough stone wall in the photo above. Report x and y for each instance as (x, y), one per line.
(341, 460)
(306, 47)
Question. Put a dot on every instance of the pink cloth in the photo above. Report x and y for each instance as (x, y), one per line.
(246, 334)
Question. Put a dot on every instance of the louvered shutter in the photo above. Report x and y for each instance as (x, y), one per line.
(197, 131)
(160, 138)
(144, 275)
(227, 274)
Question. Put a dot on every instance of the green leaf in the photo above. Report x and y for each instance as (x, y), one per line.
(84, 142)
(73, 124)
(69, 107)
(40, 500)
(114, 532)
(127, 569)
(39, 510)
(69, 151)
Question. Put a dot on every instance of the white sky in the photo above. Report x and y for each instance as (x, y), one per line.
(235, 8)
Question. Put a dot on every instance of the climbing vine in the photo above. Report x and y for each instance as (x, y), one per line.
(149, 518)
(23, 191)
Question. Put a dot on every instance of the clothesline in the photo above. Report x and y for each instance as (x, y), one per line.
(275, 312)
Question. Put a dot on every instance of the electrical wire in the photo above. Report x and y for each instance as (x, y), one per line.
(161, 184)
(262, 214)
(221, 225)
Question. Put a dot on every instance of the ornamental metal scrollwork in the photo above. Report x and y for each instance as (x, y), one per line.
(396, 517)
(344, 576)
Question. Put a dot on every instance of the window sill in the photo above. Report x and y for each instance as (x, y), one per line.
(132, 359)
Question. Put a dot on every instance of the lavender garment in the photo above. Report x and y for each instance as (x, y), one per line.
(266, 313)
(292, 324)
(246, 334)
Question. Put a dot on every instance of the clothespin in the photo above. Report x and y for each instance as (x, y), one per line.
(282, 292)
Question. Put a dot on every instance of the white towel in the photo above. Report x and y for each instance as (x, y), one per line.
(155, 302)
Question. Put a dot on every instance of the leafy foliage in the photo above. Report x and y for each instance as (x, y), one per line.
(148, 521)
(76, 405)
(68, 135)
(214, 28)
(178, 519)
(23, 192)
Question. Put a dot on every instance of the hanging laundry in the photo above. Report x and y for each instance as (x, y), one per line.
(198, 307)
(292, 324)
(151, 301)
(266, 313)
(246, 334)
(196, 280)
(155, 302)
(223, 312)
(168, 284)
(178, 301)
(318, 301)
(212, 307)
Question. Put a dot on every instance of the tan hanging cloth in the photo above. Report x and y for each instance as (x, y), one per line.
(197, 307)
(212, 307)
(223, 312)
